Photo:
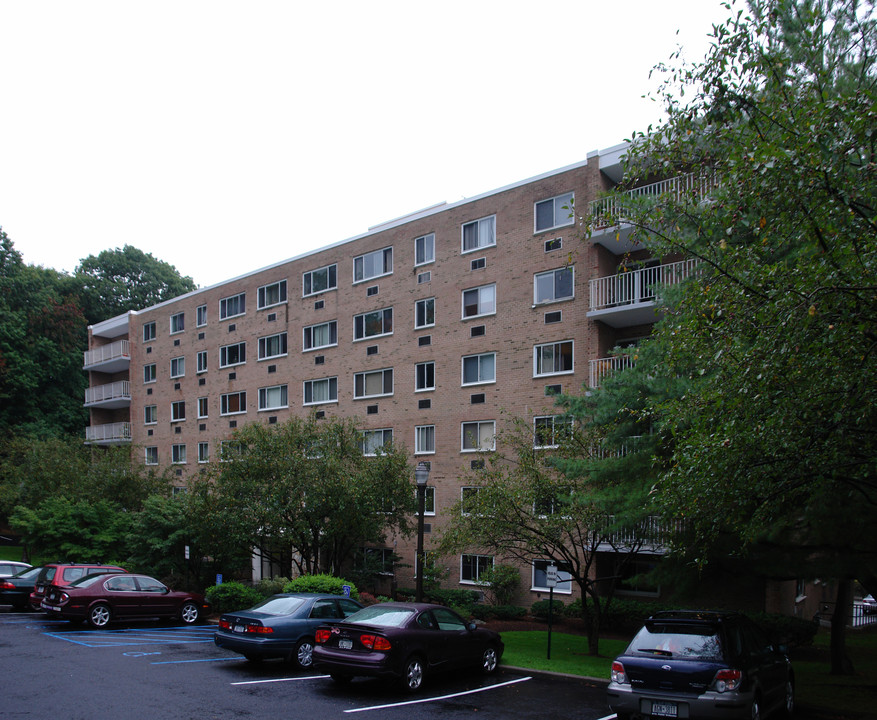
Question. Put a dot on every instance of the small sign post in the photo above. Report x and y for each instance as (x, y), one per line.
(219, 578)
(346, 589)
(551, 581)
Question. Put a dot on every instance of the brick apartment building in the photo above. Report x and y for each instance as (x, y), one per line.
(432, 329)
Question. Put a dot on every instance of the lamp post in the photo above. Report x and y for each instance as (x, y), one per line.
(421, 477)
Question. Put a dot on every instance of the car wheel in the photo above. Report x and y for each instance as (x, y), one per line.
(189, 613)
(99, 615)
(341, 679)
(489, 660)
(303, 655)
(412, 675)
(789, 702)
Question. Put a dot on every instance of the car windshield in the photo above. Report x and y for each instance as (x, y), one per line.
(686, 641)
(88, 580)
(382, 615)
(279, 605)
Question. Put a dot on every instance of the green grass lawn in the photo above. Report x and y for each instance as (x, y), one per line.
(569, 653)
(10, 552)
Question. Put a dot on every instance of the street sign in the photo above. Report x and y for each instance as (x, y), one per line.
(551, 576)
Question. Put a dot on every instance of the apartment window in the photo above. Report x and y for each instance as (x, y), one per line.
(324, 390)
(149, 373)
(150, 414)
(232, 306)
(550, 430)
(317, 281)
(233, 403)
(540, 577)
(424, 439)
(373, 264)
(424, 249)
(273, 398)
(202, 407)
(479, 301)
(554, 212)
(151, 455)
(178, 454)
(201, 361)
(472, 567)
(478, 436)
(319, 336)
(424, 313)
(178, 367)
(373, 384)
(553, 358)
(203, 452)
(149, 331)
(479, 234)
(235, 354)
(269, 295)
(375, 441)
(424, 374)
(429, 501)
(178, 323)
(553, 285)
(201, 315)
(272, 346)
(478, 369)
(178, 411)
(373, 324)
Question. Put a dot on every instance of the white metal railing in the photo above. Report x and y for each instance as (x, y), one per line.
(121, 389)
(653, 532)
(601, 367)
(609, 211)
(109, 432)
(637, 286)
(104, 353)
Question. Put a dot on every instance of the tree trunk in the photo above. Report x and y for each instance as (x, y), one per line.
(840, 663)
(592, 624)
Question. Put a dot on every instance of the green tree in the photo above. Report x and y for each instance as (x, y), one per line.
(774, 443)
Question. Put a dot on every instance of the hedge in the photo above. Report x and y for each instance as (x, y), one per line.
(328, 584)
(232, 596)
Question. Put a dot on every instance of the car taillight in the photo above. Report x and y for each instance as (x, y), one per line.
(375, 642)
(224, 624)
(322, 635)
(5, 585)
(62, 597)
(727, 679)
(259, 629)
(618, 675)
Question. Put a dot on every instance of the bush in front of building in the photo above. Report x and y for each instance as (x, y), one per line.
(539, 609)
(497, 612)
(322, 583)
(785, 629)
(271, 586)
(232, 596)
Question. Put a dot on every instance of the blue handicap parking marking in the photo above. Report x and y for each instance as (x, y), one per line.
(134, 636)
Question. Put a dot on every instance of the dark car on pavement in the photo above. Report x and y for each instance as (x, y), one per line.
(99, 599)
(16, 590)
(693, 664)
(404, 641)
(64, 574)
(281, 626)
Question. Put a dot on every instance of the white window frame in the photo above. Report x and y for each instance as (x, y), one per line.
(481, 380)
(264, 395)
(150, 410)
(178, 367)
(425, 388)
(425, 246)
(480, 311)
(539, 360)
(176, 406)
(201, 316)
(426, 303)
(178, 454)
(308, 332)
(150, 373)
(203, 452)
(150, 455)
(149, 332)
(238, 303)
(360, 378)
(429, 500)
(201, 362)
(479, 423)
(359, 322)
(386, 437)
(553, 273)
(482, 226)
(307, 278)
(263, 346)
(203, 407)
(262, 292)
(556, 421)
(177, 323)
(422, 432)
(478, 569)
(560, 217)
(564, 579)
(311, 383)
(385, 260)
(223, 354)
(242, 403)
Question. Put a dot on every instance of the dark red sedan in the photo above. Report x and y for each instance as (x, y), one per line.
(100, 599)
(404, 641)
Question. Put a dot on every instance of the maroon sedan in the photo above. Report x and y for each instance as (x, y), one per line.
(102, 598)
(403, 641)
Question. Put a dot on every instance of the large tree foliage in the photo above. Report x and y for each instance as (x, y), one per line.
(305, 486)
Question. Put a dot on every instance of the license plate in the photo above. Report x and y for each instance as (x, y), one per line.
(240, 628)
(664, 709)
(345, 644)
(51, 607)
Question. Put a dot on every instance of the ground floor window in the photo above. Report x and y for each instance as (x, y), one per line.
(540, 578)
(473, 566)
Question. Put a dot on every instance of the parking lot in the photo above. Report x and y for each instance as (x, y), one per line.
(158, 669)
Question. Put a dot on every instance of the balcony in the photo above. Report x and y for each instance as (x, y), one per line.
(652, 536)
(117, 433)
(609, 216)
(110, 358)
(601, 367)
(112, 395)
(630, 298)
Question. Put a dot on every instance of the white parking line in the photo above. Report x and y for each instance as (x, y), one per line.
(441, 697)
(257, 682)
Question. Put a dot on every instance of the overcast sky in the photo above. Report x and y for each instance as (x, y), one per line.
(226, 136)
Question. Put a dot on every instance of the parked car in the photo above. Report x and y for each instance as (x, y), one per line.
(8, 568)
(64, 574)
(701, 665)
(102, 598)
(16, 590)
(282, 626)
(404, 641)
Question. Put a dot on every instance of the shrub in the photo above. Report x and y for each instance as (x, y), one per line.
(271, 586)
(785, 629)
(622, 615)
(496, 612)
(232, 596)
(380, 598)
(540, 609)
(455, 597)
(367, 598)
(500, 583)
(321, 584)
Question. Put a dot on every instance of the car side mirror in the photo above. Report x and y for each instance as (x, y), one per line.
(471, 626)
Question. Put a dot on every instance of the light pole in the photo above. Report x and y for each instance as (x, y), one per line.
(421, 477)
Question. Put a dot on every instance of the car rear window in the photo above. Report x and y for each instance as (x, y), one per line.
(684, 641)
(382, 616)
(73, 573)
(279, 605)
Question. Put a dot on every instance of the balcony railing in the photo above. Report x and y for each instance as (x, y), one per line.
(637, 286)
(110, 433)
(115, 393)
(113, 353)
(601, 367)
(652, 534)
